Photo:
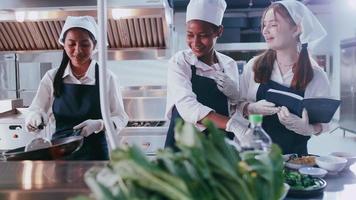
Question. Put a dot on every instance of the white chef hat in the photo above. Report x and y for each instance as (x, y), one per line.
(207, 10)
(86, 22)
(312, 31)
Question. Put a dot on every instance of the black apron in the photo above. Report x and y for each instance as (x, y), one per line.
(207, 94)
(76, 104)
(289, 141)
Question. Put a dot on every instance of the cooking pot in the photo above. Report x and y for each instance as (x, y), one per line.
(69, 141)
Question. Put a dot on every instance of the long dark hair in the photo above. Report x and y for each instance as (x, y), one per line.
(58, 80)
(303, 71)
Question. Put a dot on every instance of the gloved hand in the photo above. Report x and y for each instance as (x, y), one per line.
(227, 86)
(237, 127)
(262, 107)
(35, 121)
(295, 123)
(90, 126)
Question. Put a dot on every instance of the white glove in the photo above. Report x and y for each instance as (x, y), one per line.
(227, 86)
(237, 127)
(295, 123)
(262, 107)
(90, 126)
(34, 120)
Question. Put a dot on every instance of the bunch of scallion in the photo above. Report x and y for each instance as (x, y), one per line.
(204, 168)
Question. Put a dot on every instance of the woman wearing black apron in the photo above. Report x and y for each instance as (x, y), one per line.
(202, 83)
(71, 93)
(288, 27)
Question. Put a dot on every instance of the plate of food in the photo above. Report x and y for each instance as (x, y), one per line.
(293, 161)
(303, 186)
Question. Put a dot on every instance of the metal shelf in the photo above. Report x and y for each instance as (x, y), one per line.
(247, 46)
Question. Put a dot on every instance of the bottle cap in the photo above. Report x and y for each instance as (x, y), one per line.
(255, 119)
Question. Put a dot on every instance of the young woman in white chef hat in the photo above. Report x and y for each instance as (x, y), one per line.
(71, 92)
(202, 83)
(288, 27)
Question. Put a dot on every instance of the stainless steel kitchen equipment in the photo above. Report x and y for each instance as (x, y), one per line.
(44, 180)
(12, 131)
(136, 29)
(348, 85)
(60, 147)
(20, 73)
(8, 75)
(29, 30)
(7, 105)
(145, 103)
(147, 126)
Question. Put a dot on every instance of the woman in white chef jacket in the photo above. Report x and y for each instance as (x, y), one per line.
(202, 83)
(284, 66)
(71, 92)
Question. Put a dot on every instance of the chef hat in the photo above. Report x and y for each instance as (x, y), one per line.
(312, 31)
(86, 22)
(207, 10)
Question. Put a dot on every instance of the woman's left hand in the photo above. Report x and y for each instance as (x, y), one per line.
(90, 126)
(295, 123)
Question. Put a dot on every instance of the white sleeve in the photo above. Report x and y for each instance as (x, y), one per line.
(319, 87)
(180, 93)
(44, 97)
(233, 74)
(245, 80)
(118, 114)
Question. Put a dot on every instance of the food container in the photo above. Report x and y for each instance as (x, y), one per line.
(313, 171)
(351, 157)
(331, 163)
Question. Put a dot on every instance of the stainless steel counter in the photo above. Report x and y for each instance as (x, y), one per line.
(44, 179)
(63, 179)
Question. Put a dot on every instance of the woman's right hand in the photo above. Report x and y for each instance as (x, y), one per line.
(262, 107)
(237, 125)
(35, 120)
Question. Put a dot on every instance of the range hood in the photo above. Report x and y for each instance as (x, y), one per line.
(134, 26)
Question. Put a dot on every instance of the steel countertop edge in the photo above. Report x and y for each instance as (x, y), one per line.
(44, 179)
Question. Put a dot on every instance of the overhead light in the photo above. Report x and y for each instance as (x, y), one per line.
(33, 15)
(250, 4)
(119, 13)
(20, 16)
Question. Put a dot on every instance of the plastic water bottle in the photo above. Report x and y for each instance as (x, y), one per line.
(256, 139)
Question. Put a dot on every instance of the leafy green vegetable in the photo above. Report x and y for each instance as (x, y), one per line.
(206, 167)
(299, 181)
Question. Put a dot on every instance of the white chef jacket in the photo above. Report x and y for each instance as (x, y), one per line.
(44, 98)
(179, 86)
(319, 86)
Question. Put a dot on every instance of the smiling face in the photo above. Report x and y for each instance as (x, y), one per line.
(79, 46)
(278, 28)
(201, 37)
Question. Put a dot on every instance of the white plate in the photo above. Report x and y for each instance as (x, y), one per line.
(331, 163)
(313, 171)
(293, 165)
(286, 188)
(351, 157)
